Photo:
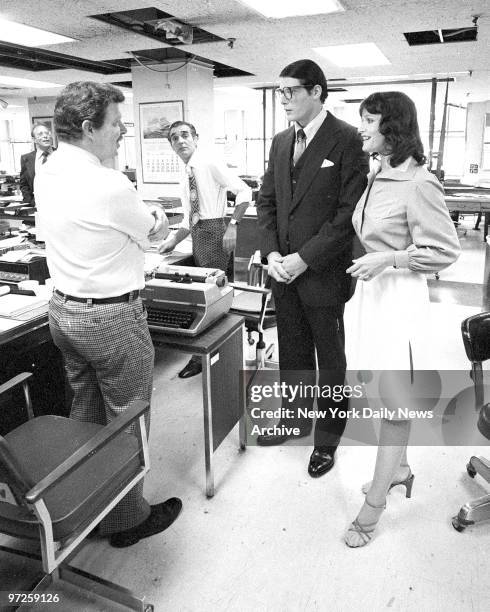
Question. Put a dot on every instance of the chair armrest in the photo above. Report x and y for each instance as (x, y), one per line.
(241, 286)
(13, 382)
(94, 445)
(20, 379)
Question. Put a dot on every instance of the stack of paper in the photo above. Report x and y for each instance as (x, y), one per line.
(16, 306)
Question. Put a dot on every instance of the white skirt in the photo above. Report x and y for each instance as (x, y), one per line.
(387, 323)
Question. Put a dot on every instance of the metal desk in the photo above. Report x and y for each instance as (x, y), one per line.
(221, 349)
(471, 204)
(29, 347)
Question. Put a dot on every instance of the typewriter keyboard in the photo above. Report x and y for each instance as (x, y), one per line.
(176, 319)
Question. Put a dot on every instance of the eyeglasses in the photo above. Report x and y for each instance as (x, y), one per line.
(288, 92)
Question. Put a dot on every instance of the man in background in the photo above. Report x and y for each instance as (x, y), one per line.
(31, 162)
(96, 229)
(315, 176)
(204, 198)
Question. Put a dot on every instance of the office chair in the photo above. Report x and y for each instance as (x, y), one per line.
(58, 479)
(476, 339)
(254, 303)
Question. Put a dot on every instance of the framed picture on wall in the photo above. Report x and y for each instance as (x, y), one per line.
(158, 161)
(48, 121)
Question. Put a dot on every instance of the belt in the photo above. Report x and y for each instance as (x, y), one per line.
(110, 300)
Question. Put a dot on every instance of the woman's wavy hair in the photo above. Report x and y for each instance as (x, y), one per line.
(398, 125)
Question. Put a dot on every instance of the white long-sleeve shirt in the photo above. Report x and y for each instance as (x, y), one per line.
(94, 224)
(213, 180)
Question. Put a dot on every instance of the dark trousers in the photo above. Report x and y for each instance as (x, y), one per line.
(307, 334)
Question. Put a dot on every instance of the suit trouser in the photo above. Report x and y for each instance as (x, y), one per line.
(108, 356)
(304, 331)
(207, 246)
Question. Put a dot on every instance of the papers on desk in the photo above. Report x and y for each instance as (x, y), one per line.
(8, 243)
(4, 200)
(152, 260)
(8, 324)
(23, 307)
(23, 255)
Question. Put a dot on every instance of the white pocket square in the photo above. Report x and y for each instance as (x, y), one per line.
(327, 163)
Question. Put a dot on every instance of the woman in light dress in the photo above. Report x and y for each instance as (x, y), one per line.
(404, 226)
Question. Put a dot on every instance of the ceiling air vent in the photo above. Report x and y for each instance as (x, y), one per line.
(436, 37)
(164, 55)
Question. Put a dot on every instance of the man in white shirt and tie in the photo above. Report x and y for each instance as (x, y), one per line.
(30, 163)
(204, 197)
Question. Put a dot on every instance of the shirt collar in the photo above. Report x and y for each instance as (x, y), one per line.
(193, 161)
(312, 128)
(40, 153)
(403, 172)
(66, 149)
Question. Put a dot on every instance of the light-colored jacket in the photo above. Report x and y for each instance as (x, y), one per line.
(406, 213)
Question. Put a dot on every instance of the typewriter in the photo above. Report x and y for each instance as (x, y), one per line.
(186, 300)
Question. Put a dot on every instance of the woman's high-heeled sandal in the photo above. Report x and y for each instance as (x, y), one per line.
(407, 483)
(364, 530)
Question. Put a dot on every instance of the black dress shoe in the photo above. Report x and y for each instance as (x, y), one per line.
(271, 440)
(191, 369)
(276, 439)
(161, 516)
(321, 462)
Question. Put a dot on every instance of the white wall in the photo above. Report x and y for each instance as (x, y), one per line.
(193, 84)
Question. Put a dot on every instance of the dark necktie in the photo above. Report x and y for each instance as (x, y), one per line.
(194, 199)
(300, 146)
(44, 157)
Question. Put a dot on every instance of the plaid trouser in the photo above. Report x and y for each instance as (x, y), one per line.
(108, 356)
(207, 244)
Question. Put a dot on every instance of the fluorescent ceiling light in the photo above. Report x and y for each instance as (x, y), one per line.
(278, 9)
(20, 34)
(8, 80)
(348, 56)
(235, 90)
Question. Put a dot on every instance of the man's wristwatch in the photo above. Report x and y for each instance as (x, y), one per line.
(233, 222)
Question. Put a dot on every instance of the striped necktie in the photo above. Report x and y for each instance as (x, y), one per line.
(194, 199)
(44, 157)
(300, 146)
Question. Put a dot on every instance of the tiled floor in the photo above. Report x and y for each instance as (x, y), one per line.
(271, 538)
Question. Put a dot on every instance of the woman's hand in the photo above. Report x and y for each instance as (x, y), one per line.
(370, 265)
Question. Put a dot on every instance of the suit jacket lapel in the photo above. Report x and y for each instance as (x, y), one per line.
(284, 165)
(32, 165)
(316, 151)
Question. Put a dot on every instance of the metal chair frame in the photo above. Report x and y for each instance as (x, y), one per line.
(477, 510)
(55, 555)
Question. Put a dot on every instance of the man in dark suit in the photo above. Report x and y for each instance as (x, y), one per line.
(30, 162)
(315, 176)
